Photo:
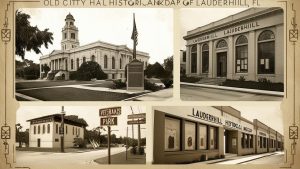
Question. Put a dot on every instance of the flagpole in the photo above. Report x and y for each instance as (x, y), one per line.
(134, 41)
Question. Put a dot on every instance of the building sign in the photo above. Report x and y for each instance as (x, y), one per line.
(41, 121)
(247, 129)
(240, 28)
(262, 134)
(205, 116)
(233, 125)
(112, 111)
(109, 121)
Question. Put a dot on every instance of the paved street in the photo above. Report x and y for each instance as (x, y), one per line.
(26, 158)
(195, 93)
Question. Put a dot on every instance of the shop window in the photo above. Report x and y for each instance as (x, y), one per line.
(202, 137)
(34, 129)
(194, 59)
(251, 141)
(56, 128)
(172, 134)
(243, 140)
(93, 58)
(205, 58)
(221, 44)
(113, 63)
(72, 63)
(266, 53)
(190, 135)
(246, 140)
(241, 55)
(264, 142)
(48, 128)
(213, 138)
(105, 61)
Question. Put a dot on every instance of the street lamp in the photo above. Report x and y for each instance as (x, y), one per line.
(62, 149)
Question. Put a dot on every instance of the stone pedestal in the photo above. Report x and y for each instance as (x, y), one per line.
(135, 76)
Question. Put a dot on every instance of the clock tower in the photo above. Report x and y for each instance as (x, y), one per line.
(69, 34)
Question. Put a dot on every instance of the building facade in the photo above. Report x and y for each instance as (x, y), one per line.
(45, 131)
(185, 134)
(112, 58)
(249, 44)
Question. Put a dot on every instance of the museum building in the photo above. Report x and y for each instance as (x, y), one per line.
(248, 44)
(46, 131)
(112, 58)
(188, 134)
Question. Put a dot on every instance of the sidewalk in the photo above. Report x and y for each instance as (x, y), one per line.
(120, 158)
(165, 94)
(254, 91)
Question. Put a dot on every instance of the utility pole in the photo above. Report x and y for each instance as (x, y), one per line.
(62, 148)
(108, 144)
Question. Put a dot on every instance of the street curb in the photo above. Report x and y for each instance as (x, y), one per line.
(254, 91)
(256, 158)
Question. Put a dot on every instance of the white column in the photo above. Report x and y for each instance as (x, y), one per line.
(211, 60)
(198, 60)
(230, 57)
(40, 70)
(252, 56)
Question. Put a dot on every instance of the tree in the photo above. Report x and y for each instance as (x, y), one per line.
(155, 70)
(168, 64)
(89, 70)
(30, 37)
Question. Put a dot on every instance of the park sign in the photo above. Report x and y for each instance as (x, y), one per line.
(137, 116)
(139, 121)
(112, 111)
(109, 121)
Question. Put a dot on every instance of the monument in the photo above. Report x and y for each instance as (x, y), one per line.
(135, 69)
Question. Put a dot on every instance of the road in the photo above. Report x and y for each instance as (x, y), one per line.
(193, 93)
(49, 159)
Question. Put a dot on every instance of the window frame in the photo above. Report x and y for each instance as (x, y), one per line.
(243, 61)
(261, 59)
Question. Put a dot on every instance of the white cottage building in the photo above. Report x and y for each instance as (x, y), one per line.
(248, 44)
(45, 131)
(112, 58)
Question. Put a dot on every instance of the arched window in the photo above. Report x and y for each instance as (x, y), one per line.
(221, 44)
(48, 128)
(93, 58)
(113, 63)
(72, 64)
(194, 59)
(77, 63)
(266, 52)
(241, 54)
(84, 59)
(105, 61)
(120, 63)
(205, 58)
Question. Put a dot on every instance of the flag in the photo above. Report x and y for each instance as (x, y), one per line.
(134, 34)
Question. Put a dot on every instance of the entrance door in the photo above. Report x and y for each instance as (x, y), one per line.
(38, 142)
(222, 64)
(230, 141)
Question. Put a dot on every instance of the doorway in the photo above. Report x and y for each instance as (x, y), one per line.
(38, 142)
(230, 142)
(221, 64)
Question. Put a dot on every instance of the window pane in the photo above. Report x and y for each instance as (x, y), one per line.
(213, 138)
(172, 134)
(242, 59)
(205, 61)
(190, 136)
(202, 137)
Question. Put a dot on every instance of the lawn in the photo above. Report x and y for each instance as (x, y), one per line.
(74, 94)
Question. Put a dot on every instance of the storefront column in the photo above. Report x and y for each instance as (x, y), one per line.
(158, 139)
(210, 67)
(230, 57)
(198, 60)
(279, 54)
(188, 60)
(221, 142)
(252, 56)
(41, 71)
(239, 143)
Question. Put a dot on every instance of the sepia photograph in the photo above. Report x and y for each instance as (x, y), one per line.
(81, 135)
(236, 54)
(94, 54)
(218, 135)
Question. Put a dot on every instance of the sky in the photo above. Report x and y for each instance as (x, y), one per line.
(155, 28)
(89, 113)
(192, 18)
(269, 114)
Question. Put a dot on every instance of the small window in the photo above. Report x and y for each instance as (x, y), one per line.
(72, 63)
(65, 35)
(73, 35)
(56, 140)
(105, 61)
(71, 23)
(77, 63)
(39, 129)
(113, 64)
(48, 128)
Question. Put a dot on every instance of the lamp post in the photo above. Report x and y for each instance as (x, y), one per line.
(62, 149)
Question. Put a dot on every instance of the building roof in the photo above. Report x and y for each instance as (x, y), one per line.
(70, 16)
(70, 119)
(243, 16)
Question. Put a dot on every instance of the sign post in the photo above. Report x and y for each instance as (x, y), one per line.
(107, 119)
(137, 119)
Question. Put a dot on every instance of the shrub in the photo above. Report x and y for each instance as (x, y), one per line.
(141, 150)
(73, 75)
(133, 150)
(190, 79)
(79, 142)
(151, 86)
(118, 84)
(167, 82)
(89, 70)
(32, 72)
(242, 78)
